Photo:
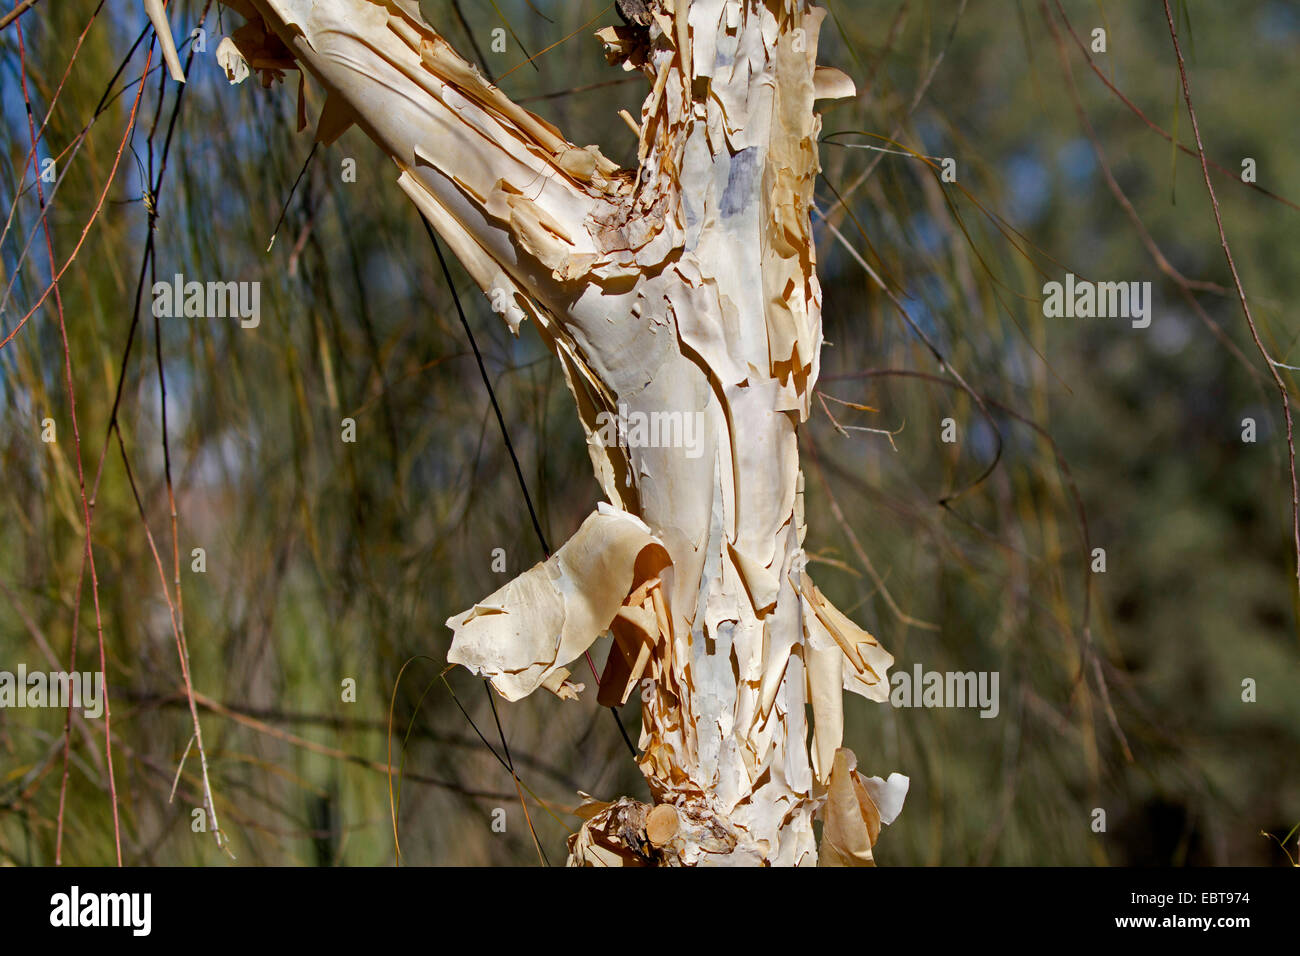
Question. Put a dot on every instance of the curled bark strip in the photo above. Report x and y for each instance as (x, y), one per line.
(521, 636)
(681, 299)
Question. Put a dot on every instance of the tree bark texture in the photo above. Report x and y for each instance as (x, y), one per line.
(682, 294)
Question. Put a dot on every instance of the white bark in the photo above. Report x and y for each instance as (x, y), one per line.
(686, 287)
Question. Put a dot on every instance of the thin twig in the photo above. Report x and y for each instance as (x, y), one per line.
(1156, 127)
(1241, 292)
(17, 12)
(89, 548)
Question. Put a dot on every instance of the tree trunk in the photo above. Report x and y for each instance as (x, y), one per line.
(681, 299)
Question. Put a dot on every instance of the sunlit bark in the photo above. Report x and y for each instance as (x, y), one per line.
(681, 299)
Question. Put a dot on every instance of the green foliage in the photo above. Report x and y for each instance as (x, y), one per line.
(328, 560)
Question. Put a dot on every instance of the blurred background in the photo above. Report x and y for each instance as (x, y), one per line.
(325, 561)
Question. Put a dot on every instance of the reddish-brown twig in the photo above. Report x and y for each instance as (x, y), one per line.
(89, 551)
(1241, 292)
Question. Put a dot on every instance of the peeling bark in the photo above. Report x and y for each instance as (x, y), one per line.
(684, 289)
